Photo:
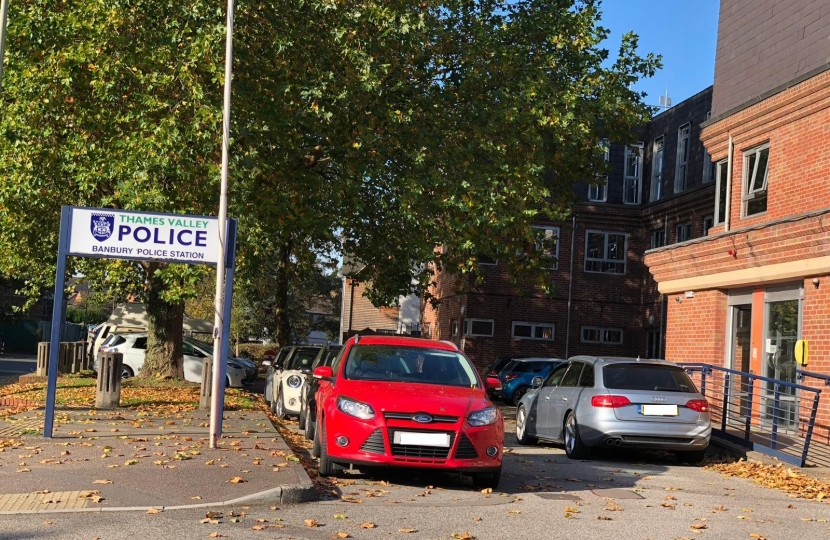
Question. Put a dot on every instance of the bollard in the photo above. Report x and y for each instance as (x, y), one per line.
(207, 379)
(42, 359)
(108, 392)
(65, 357)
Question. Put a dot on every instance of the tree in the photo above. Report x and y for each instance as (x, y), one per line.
(378, 129)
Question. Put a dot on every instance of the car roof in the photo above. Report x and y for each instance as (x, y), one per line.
(538, 359)
(406, 341)
(621, 360)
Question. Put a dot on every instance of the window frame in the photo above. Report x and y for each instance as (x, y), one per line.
(656, 188)
(602, 330)
(455, 328)
(747, 193)
(467, 327)
(624, 260)
(661, 231)
(554, 257)
(533, 326)
(479, 262)
(711, 220)
(638, 178)
(601, 189)
(681, 182)
(721, 181)
(685, 226)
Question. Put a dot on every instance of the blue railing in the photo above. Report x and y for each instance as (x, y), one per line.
(767, 415)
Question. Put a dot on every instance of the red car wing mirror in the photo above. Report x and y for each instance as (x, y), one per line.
(491, 383)
(324, 373)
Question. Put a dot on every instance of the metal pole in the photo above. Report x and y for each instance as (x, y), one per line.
(220, 355)
(58, 313)
(4, 18)
(570, 290)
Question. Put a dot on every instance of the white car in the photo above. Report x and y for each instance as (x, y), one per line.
(288, 383)
(134, 346)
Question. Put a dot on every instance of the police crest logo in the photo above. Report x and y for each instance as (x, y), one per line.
(102, 225)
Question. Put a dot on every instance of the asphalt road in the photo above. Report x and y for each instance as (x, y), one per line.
(543, 495)
(15, 366)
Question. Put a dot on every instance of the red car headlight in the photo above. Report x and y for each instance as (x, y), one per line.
(364, 411)
(484, 417)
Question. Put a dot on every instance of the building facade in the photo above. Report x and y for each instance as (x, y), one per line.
(659, 191)
(743, 295)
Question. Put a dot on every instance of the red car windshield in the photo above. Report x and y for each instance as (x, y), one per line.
(409, 364)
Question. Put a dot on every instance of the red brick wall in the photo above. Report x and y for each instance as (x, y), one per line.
(816, 330)
(696, 328)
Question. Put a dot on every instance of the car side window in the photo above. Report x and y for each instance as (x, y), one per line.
(587, 378)
(572, 377)
(555, 377)
(538, 367)
(141, 343)
(190, 350)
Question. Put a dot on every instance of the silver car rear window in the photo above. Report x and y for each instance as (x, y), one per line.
(651, 377)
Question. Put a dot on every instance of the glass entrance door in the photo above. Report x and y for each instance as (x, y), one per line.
(739, 405)
(780, 335)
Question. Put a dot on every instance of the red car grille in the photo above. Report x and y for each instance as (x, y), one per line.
(417, 451)
(374, 444)
(409, 416)
(465, 449)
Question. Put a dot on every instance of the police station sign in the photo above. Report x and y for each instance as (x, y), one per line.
(99, 232)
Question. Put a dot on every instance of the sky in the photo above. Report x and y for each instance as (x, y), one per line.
(684, 32)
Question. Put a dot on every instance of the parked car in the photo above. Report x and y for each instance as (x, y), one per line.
(308, 398)
(516, 377)
(495, 368)
(407, 402)
(287, 383)
(274, 366)
(134, 346)
(619, 402)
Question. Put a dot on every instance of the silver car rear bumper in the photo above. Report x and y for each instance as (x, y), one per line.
(598, 431)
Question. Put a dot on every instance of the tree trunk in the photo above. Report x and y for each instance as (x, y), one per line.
(281, 293)
(164, 331)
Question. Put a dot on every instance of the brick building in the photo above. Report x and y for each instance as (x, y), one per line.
(761, 279)
(660, 190)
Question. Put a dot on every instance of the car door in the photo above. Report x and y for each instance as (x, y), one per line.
(539, 413)
(562, 399)
(193, 363)
(134, 355)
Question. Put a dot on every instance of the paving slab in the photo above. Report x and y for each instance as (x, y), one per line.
(133, 459)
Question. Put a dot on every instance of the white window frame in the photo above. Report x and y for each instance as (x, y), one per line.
(602, 335)
(662, 231)
(721, 172)
(605, 258)
(686, 226)
(656, 190)
(468, 327)
(638, 178)
(550, 232)
(455, 328)
(681, 169)
(599, 193)
(754, 187)
(708, 223)
(533, 327)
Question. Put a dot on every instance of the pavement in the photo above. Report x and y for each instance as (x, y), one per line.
(131, 460)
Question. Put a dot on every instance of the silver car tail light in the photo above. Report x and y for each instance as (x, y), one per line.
(610, 401)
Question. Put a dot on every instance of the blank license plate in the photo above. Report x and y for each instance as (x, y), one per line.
(658, 410)
(422, 439)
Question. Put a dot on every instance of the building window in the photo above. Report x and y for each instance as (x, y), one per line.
(633, 178)
(478, 327)
(605, 252)
(657, 170)
(599, 192)
(721, 171)
(756, 171)
(548, 242)
(682, 232)
(454, 328)
(681, 171)
(427, 330)
(527, 330)
(653, 344)
(708, 168)
(658, 238)
(708, 223)
(606, 336)
(485, 260)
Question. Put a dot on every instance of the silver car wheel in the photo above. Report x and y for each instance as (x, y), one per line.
(570, 433)
(520, 422)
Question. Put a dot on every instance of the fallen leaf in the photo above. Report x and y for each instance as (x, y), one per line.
(699, 526)
(572, 509)
(216, 535)
(48, 522)
(476, 519)
(604, 518)
(463, 536)
(367, 525)
(310, 522)
(102, 482)
(487, 490)
(154, 510)
(407, 530)
(236, 480)
(342, 534)
(259, 527)
(757, 536)
(196, 498)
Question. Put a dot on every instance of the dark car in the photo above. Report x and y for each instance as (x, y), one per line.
(517, 377)
(495, 368)
(308, 400)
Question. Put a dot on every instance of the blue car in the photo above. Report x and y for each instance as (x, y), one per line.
(517, 376)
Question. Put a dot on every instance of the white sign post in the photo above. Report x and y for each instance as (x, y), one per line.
(140, 236)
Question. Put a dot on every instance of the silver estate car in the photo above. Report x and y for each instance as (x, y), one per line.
(622, 402)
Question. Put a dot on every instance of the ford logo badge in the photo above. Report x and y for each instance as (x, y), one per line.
(422, 418)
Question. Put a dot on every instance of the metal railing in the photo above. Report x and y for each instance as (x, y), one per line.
(767, 415)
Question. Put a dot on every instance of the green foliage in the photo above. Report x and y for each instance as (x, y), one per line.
(86, 316)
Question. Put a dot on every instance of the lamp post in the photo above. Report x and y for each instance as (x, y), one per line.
(4, 17)
(219, 352)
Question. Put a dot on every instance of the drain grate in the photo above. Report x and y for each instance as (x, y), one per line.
(15, 428)
(559, 496)
(60, 500)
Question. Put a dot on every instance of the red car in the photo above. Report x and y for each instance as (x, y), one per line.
(407, 402)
